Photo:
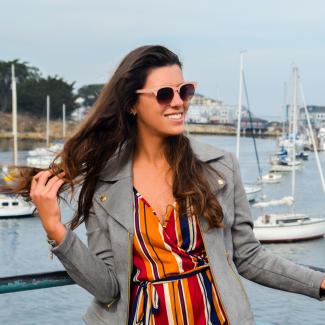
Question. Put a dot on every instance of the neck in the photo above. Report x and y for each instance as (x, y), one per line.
(150, 149)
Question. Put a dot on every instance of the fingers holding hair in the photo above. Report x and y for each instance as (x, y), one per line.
(43, 182)
(53, 183)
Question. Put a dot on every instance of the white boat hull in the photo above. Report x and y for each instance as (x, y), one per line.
(315, 228)
(285, 168)
(321, 146)
(15, 207)
(43, 157)
(39, 161)
(271, 178)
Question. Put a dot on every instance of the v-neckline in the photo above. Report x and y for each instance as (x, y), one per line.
(168, 214)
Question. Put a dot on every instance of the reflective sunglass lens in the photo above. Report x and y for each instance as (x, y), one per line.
(165, 95)
(187, 92)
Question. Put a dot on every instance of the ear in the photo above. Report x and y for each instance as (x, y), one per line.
(133, 111)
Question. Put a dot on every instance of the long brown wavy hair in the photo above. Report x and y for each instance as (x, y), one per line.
(110, 126)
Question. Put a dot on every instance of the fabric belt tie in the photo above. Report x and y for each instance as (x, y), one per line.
(147, 299)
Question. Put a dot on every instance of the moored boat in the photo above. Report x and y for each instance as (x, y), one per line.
(289, 166)
(43, 157)
(271, 178)
(288, 227)
(12, 206)
(281, 162)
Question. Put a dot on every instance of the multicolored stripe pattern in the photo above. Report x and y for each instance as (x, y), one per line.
(172, 282)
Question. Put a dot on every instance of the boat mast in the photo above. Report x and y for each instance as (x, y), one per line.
(285, 107)
(311, 134)
(252, 127)
(290, 112)
(47, 120)
(63, 121)
(241, 70)
(14, 115)
(294, 133)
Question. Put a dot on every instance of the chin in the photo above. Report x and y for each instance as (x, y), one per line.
(174, 132)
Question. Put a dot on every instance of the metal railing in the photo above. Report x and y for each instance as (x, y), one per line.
(53, 279)
(34, 281)
(61, 278)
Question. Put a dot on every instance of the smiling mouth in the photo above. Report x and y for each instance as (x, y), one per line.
(175, 116)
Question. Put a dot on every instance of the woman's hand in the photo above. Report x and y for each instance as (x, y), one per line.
(44, 194)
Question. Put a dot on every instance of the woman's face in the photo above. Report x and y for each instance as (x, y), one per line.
(161, 119)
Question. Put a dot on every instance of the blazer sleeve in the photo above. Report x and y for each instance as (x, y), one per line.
(90, 267)
(256, 263)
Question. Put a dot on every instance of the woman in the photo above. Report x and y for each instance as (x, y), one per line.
(168, 223)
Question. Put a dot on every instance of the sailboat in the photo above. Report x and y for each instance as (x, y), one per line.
(12, 206)
(290, 226)
(42, 157)
(252, 190)
(281, 161)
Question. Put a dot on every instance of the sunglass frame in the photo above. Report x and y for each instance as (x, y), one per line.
(175, 89)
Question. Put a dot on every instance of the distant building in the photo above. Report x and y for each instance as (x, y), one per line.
(198, 114)
(81, 111)
(200, 100)
(275, 126)
(316, 115)
(255, 123)
(212, 112)
(249, 123)
(227, 114)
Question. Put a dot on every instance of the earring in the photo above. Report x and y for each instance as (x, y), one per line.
(132, 112)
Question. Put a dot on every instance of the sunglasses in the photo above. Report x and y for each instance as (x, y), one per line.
(165, 95)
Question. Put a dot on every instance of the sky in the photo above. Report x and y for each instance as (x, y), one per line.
(83, 42)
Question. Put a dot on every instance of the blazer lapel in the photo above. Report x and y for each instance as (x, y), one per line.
(117, 200)
(115, 193)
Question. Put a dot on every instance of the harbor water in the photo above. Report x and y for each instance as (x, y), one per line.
(23, 249)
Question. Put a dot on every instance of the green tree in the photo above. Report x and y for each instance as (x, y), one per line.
(23, 72)
(89, 93)
(32, 96)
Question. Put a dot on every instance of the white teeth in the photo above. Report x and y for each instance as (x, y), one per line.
(175, 116)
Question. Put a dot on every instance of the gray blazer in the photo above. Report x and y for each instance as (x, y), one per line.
(104, 269)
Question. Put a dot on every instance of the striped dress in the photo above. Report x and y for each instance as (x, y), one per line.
(171, 281)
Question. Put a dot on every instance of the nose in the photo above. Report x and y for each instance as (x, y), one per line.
(177, 100)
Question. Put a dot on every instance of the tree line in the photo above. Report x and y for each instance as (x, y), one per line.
(32, 89)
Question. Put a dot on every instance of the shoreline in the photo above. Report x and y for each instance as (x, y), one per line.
(42, 137)
(200, 129)
(214, 129)
(32, 128)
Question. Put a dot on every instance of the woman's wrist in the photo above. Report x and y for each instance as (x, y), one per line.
(56, 232)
